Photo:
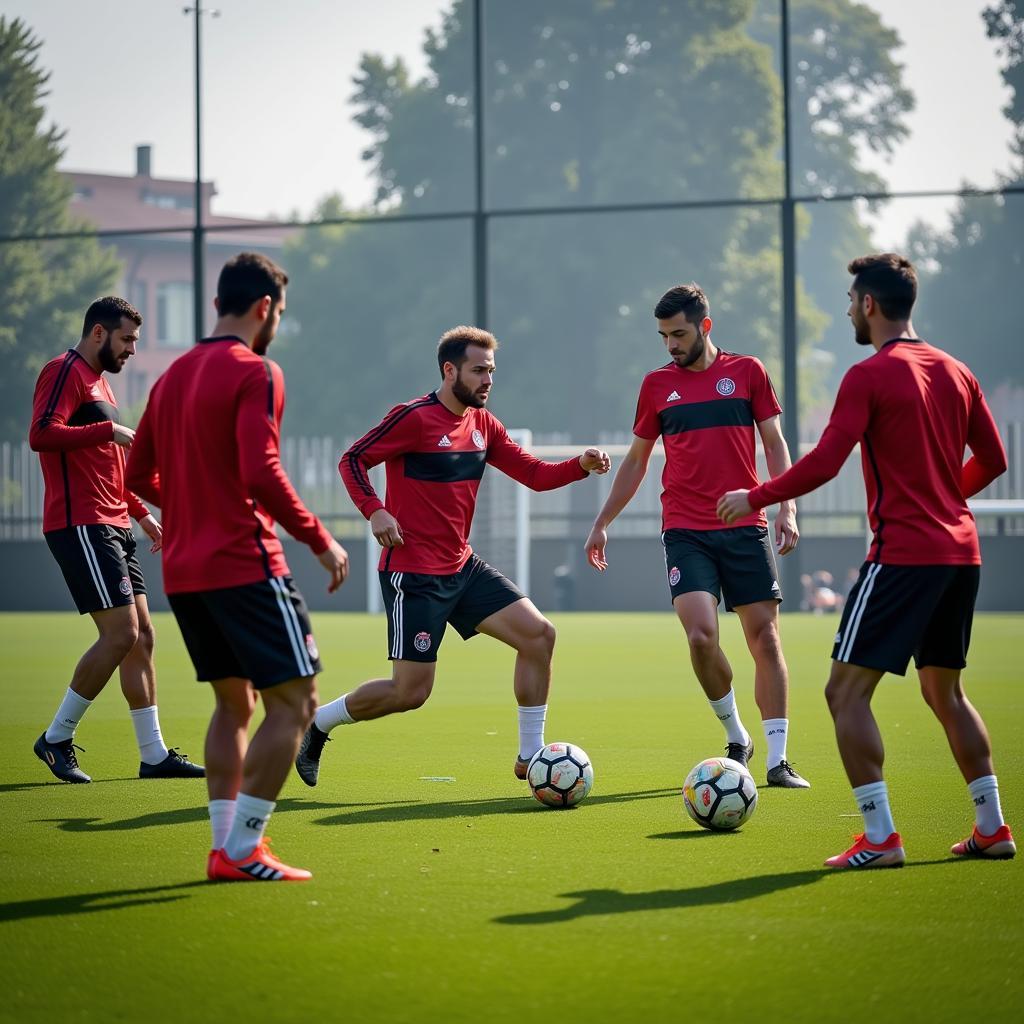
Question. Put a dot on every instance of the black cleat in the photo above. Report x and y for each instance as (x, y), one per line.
(738, 752)
(307, 762)
(173, 766)
(60, 759)
(784, 776)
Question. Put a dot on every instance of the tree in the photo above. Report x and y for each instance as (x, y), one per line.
(971, 274)
(45, 286)
(586, 103)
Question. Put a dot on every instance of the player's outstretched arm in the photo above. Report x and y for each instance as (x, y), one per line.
(56, 397)
(776, 454)
(628, 478)
(593, 460)
(141, 476)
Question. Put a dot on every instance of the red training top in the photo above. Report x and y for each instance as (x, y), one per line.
(914, 409)
(435, 462)
(73, 417)
(207, 452)
(706, 418)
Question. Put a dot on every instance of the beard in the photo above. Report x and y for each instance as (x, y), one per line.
(693, 355)
(467, 397)
(262, 341)
(861, 333)
(110, 362)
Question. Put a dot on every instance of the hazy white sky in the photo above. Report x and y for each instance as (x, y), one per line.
(278, 76)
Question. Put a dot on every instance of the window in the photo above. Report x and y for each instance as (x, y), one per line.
(138, 296)
(174, 326)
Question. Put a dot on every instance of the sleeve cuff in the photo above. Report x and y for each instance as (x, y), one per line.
(758, 499)
(370, 506)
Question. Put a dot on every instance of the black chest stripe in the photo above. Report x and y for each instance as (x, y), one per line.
(445, 467)
(723, 412)
(93, 412)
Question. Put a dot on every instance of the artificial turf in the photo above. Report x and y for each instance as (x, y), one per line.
(466, 900)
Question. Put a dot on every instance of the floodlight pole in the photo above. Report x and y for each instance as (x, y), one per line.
(198, 240)
(790, 565)
(480, 297)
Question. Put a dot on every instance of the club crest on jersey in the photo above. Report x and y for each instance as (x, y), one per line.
(421, 642)
(674, 576)
(125, 586)
(311, 647)
(445, 442)
(478, 440)
(726, 386)
(674, 397)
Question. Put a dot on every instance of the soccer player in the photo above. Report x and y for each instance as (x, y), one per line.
(704, 404)
(436, 449)
(914, 410)
(81, 449)
(207, 452)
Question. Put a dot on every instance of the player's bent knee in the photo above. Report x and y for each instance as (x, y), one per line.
(701, 639)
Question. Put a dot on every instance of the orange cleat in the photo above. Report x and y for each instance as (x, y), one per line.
(260, 866)
(998, 846)
(871, 855)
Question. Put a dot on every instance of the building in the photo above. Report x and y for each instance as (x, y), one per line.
(157, 267)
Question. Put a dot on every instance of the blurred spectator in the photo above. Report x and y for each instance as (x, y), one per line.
(819, 595)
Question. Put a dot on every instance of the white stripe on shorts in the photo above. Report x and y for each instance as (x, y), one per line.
(291, 624)
(94, 566)
(397, 615)
(846, 647)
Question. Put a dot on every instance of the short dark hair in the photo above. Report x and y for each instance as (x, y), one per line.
(453, 344)
(684, 298)
(245, 279)
(890, 279)
(107, 312)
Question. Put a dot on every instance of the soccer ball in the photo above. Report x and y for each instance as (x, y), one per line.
(719, 794)
(560, 775)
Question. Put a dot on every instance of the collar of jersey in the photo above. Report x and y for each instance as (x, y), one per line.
(892, 341)
(221, 337)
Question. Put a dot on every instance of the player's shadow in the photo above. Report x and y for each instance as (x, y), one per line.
(441, 809)
(601, 902)
(16, 787)
(178, 816)
(95, 902)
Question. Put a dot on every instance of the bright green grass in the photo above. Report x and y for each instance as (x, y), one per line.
(468, 901)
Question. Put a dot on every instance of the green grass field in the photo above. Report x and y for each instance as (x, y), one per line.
(467, 900)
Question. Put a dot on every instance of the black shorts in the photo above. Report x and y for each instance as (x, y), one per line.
(419, 606)
(99, 565)
(259, 631)
(895, 611)
(738, 563)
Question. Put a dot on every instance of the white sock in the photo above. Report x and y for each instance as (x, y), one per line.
(987, 812)
(71, 711)
(251, 817)
(334, 714)
(531, 730)
(775, 730)
(222, 814)
(152, 749)
(873, 804)
(728, 714)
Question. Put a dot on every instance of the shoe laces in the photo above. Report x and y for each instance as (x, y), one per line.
(177, 755)
(786, 767)
(70, 756)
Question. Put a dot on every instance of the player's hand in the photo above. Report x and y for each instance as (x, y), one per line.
(123, 435)
(386, 529)
(733, 505)
(335, 561)
(595, 548)
(593, 460)
(151, 527)
(787, 533)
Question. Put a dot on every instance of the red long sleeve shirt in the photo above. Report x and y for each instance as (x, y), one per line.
(73, 417)
(914, 409)
(207, 452)
(435, 461)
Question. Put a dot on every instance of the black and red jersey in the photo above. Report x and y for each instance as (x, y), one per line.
(435, 460)
(706, 419)
(208, 453)
(73, 417)
(914, 409)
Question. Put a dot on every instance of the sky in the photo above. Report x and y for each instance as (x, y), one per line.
(279, 134)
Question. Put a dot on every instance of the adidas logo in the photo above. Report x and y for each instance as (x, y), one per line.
(445, 442)
(674, 397)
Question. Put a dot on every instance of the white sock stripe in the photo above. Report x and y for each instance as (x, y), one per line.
(397, 615)
(858, 612)
(94, 566)
(291, 625)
